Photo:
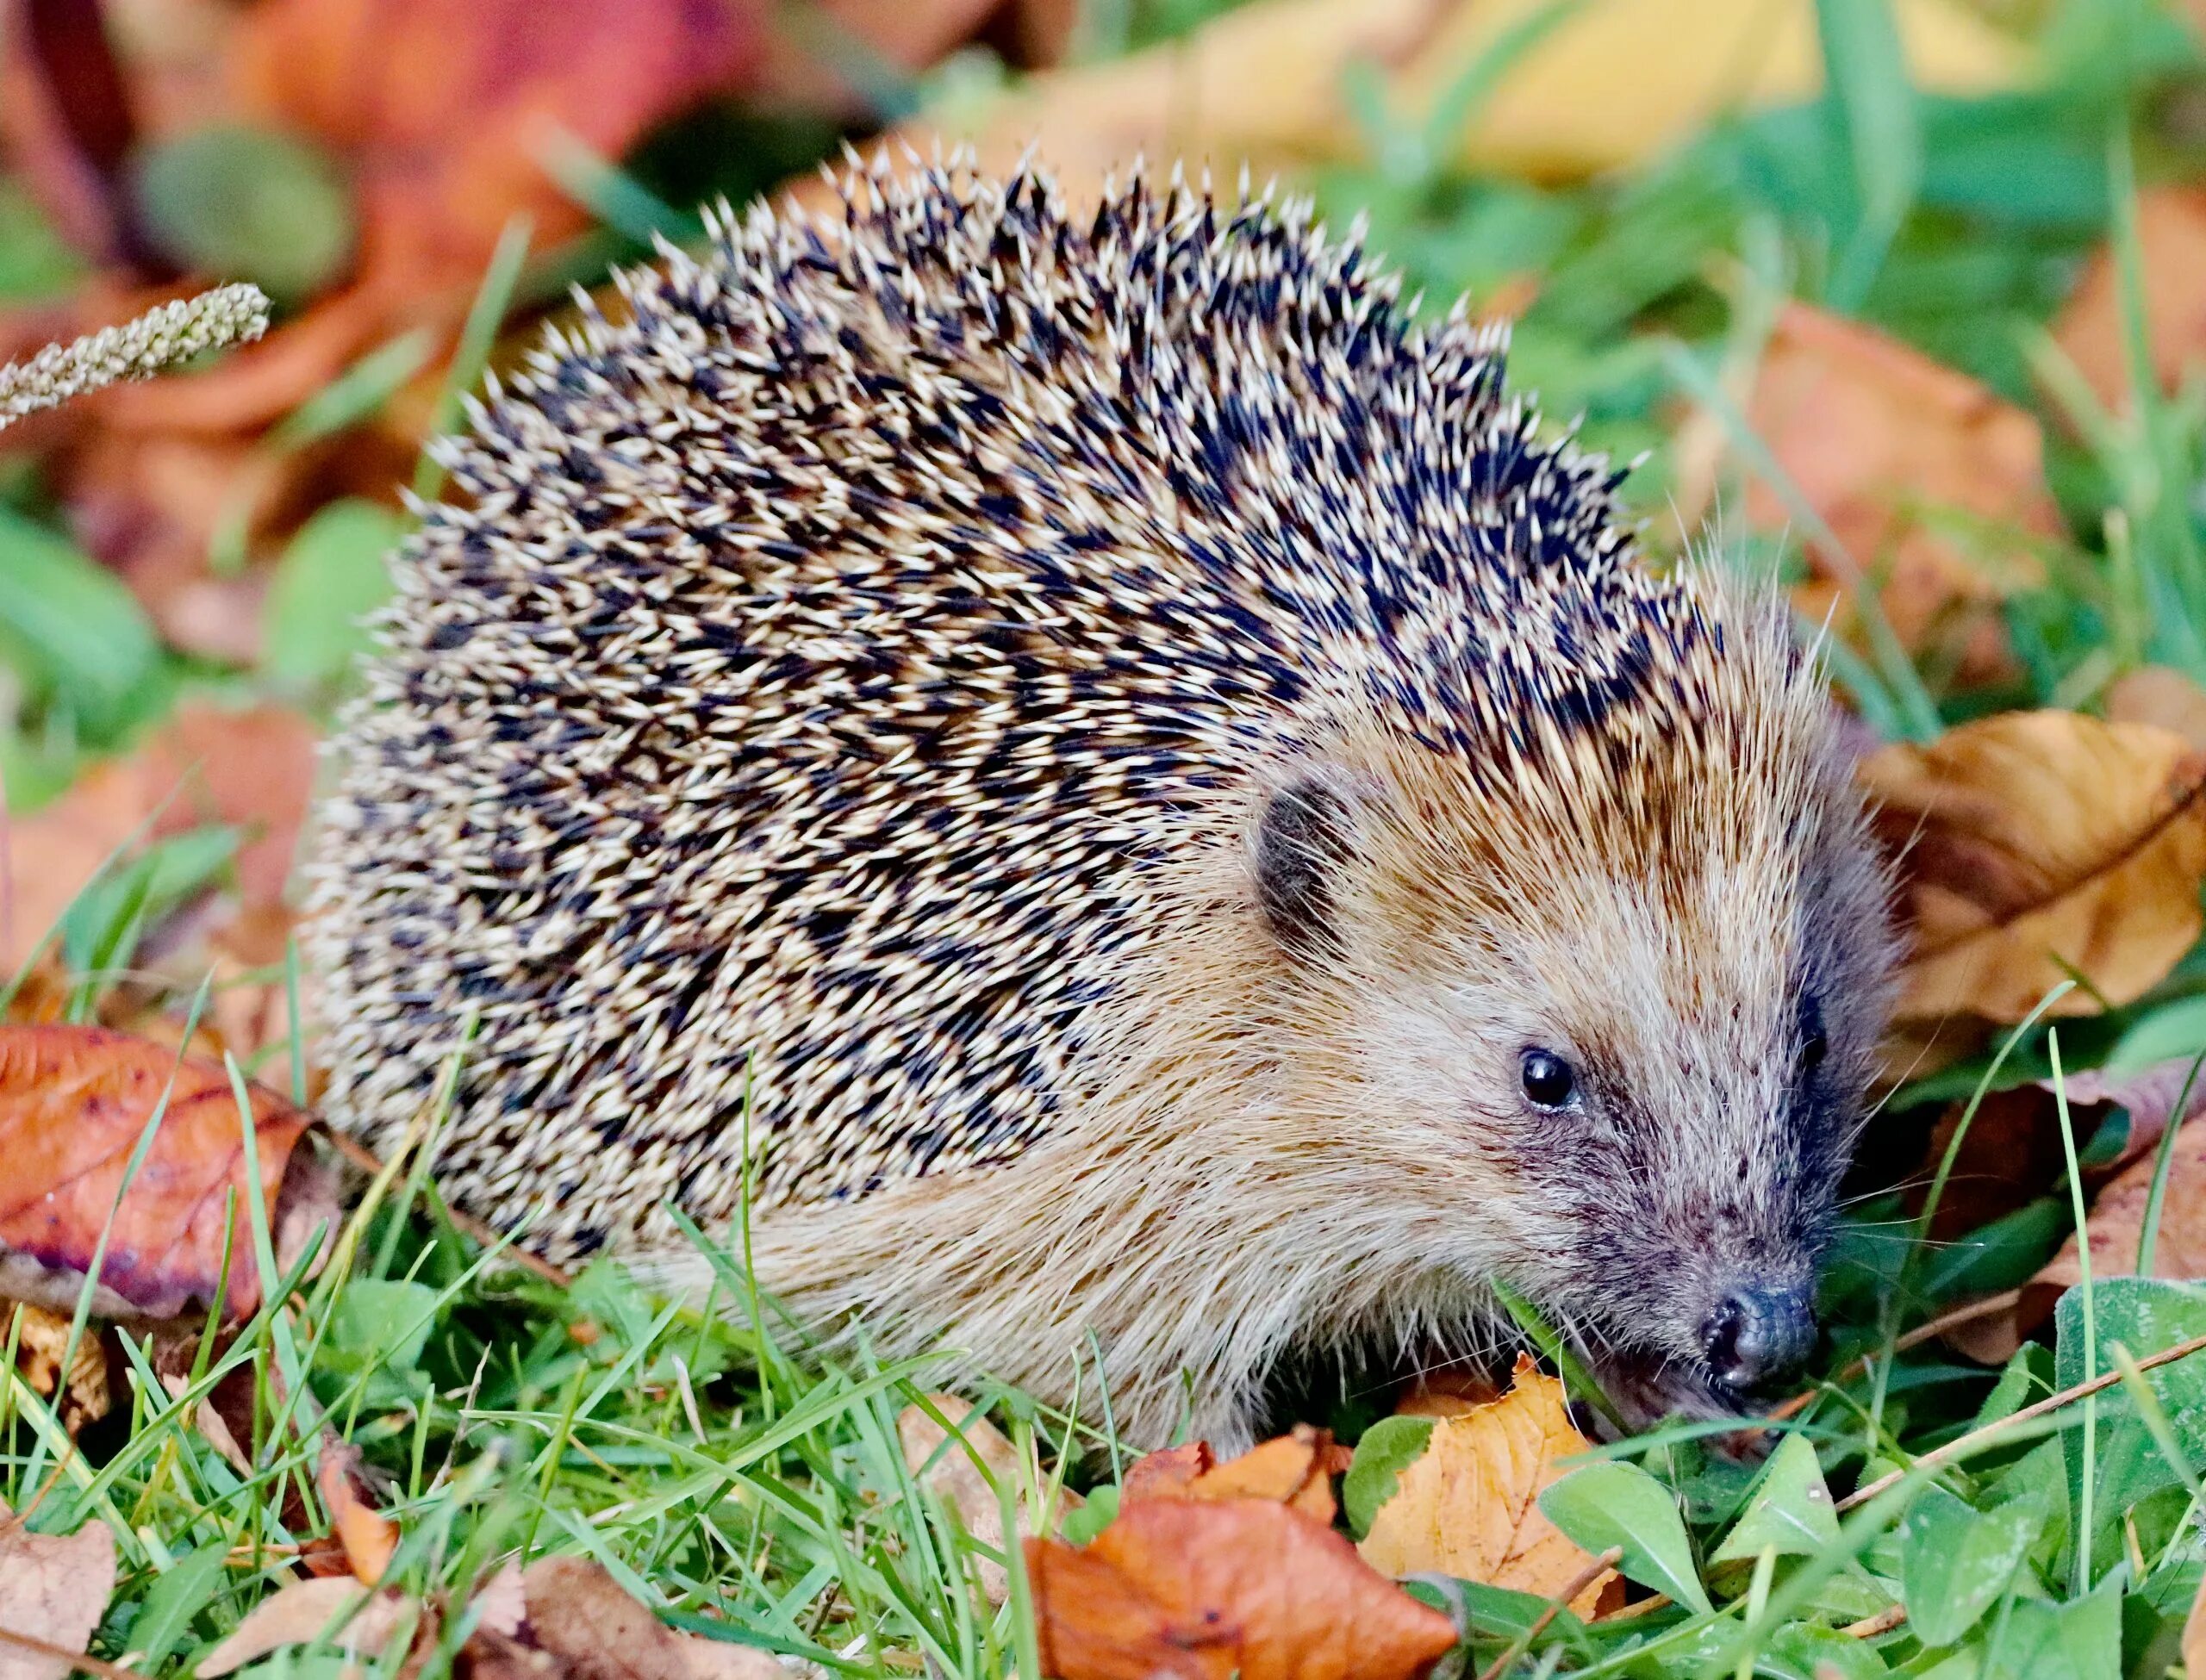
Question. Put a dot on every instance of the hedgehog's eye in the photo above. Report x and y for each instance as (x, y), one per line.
(1549, 1080)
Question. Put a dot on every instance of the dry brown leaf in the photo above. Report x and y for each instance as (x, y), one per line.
(1166, 1472)
(2164, 698)
(594, 1629)
(41, 1339)
(368, 1536)
(2032, 843)
(1295, 1469)
(443, 106)
(2090, 329)
(251, 768)
(53, 1587)
(1880, 439)
(302, 1610)
(961, 1483)
(74, 1102)
(1204, 1589)
(1469, 1506)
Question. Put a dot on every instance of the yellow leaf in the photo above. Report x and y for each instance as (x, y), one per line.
(2035, 843)
(1469, 1506)
(1264, 85)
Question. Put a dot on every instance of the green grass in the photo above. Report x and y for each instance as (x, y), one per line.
(753, 1488)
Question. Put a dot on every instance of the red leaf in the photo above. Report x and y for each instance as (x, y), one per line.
(74, 1102)
(1204, 1589)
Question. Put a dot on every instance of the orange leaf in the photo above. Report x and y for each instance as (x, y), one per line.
(2090, 328)
(445, 107)
(1166, 1472)
(368, 1536)
(2034, 843)
(1294, 1469)
(1203, 1590)
(1469, 1506)
(74, 1102)
(1880, 439)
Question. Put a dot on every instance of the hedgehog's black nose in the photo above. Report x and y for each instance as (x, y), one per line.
(1756, 1334)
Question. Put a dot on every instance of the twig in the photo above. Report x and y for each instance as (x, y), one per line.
(1968, 1313)
(368, 1162)
(1594, 1570)
(1961, 1445)
(62, 1653)
(137, 350)
(1882, 1622)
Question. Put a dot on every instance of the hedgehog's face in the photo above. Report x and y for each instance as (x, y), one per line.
(1623, 1074)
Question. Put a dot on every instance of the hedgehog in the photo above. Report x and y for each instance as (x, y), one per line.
(1099, 786)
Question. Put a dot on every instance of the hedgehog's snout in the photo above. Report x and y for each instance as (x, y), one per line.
(1757, 1333)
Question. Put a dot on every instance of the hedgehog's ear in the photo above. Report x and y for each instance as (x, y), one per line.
(1306, 832)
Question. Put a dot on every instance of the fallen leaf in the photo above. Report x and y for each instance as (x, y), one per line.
(303, 1610)
(53, 1587)
(368, 1537)
(1167, 1470)
(1263, 84)
(1447, 1393)
(961, 1475)
(73, 1103)
(1468, 1505)
(1880, 440)
(2164, 698)
(2031, 844)
(41, 1339)
(224, 1417)
(1205, 1589)
(1295, 1469)
(250, 768)
(444, 107)
(2090, 329)
(595, 1630)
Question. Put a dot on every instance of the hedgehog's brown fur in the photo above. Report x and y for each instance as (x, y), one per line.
(1111, 743)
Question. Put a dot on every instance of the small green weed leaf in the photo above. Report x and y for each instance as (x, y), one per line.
(1804, 1650)
(71, 625)
(2145, 1315)
(101, 927)
(1791, 1511)
(2080, 1640)
(179, 1594)
(1957, 1560)
(1388, 1447)
(1084, 1524)
(2174, 1031)
(2026, 1377)
(332, 577)
(378, 1325)
(1620, 1504)
(1499, 1614)
(248, 204)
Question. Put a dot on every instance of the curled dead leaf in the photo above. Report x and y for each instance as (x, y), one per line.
(1203, 1589)
(2035, 844)
(73, 1104)
(368, 1537)
(2116, 1225)
(1167, 1470)
(53, 1589)
(1468, 1505)
(1296, 1470)
(41, 1343)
